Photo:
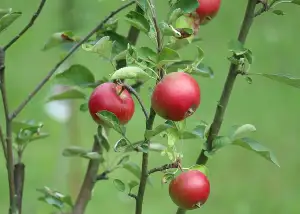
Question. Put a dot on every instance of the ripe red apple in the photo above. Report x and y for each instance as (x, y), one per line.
(190, 189)
(207, 10)
(176, 96)
(107, 97)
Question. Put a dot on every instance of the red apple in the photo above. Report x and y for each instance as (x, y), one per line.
(190, 189)
(207, 10)
(107, 97)
(176, 96)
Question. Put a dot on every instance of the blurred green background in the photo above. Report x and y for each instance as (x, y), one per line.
(241, 182)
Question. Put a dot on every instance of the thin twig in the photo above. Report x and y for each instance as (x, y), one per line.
(9, 151)
(85, 193)
(228, 86)
(132, 195)
(132, 91)
(31, 22)
(164, 167)
(70, 53)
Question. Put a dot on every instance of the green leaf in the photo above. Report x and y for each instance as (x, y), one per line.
(239, 130)
(187, 6)
(282, 78)
(279, 12)
(178, 44)
(157, 130)
(132, 184)
(167, 177)
(130, 72)
(59, 38)
(175, 15)
(84, 107)
(92, 155)
(102, 47)
(8, 19)
(119, 185)
(256, 147)
(138, 21)
(167, 55)
(156, 147)
(221, 141)
(203, 70)
(201, 168)
(237, 47)
(3, 12)
(169, 30)
(27, 132)
(77, 75)
(172, 135)
(54, 198)
(296, 2)
(143, 4)
(120, 145)
(111, 120)
(74, 151)
(201, 129)
(69, 94)
(147, 54)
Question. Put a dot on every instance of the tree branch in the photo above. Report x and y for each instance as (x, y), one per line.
(164, 167)
(70, 53)
(85, 193)
(30, 24)
(228, 86)
(9, 151)
(132, 91)
(149, 123)
(19, 175)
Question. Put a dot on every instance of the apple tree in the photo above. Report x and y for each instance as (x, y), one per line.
(176, 96)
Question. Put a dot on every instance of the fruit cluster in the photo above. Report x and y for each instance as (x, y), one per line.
(176, 97)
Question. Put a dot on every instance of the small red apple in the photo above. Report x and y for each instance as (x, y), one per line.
(110, 97)
(207, 10)
(176, 96)
(190, 189)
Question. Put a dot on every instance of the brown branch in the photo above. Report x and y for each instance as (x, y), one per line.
(70, 53)
(30, 24)
(228, 86)
(19, 174)
(9, 150)
(85, 193)
(174, 165)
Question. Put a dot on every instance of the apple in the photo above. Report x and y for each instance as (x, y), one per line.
(190, 189)
(176, 96)
(207, 10)
(113, 98)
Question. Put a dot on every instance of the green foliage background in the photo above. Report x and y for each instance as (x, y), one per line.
(241, 182)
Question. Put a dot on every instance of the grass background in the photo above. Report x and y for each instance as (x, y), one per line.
(241, 182)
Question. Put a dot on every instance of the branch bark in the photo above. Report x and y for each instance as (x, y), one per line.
(19, 175)
(227, 89)
(70, 53)
(29, 25)
(8, 139)
(85, 193)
